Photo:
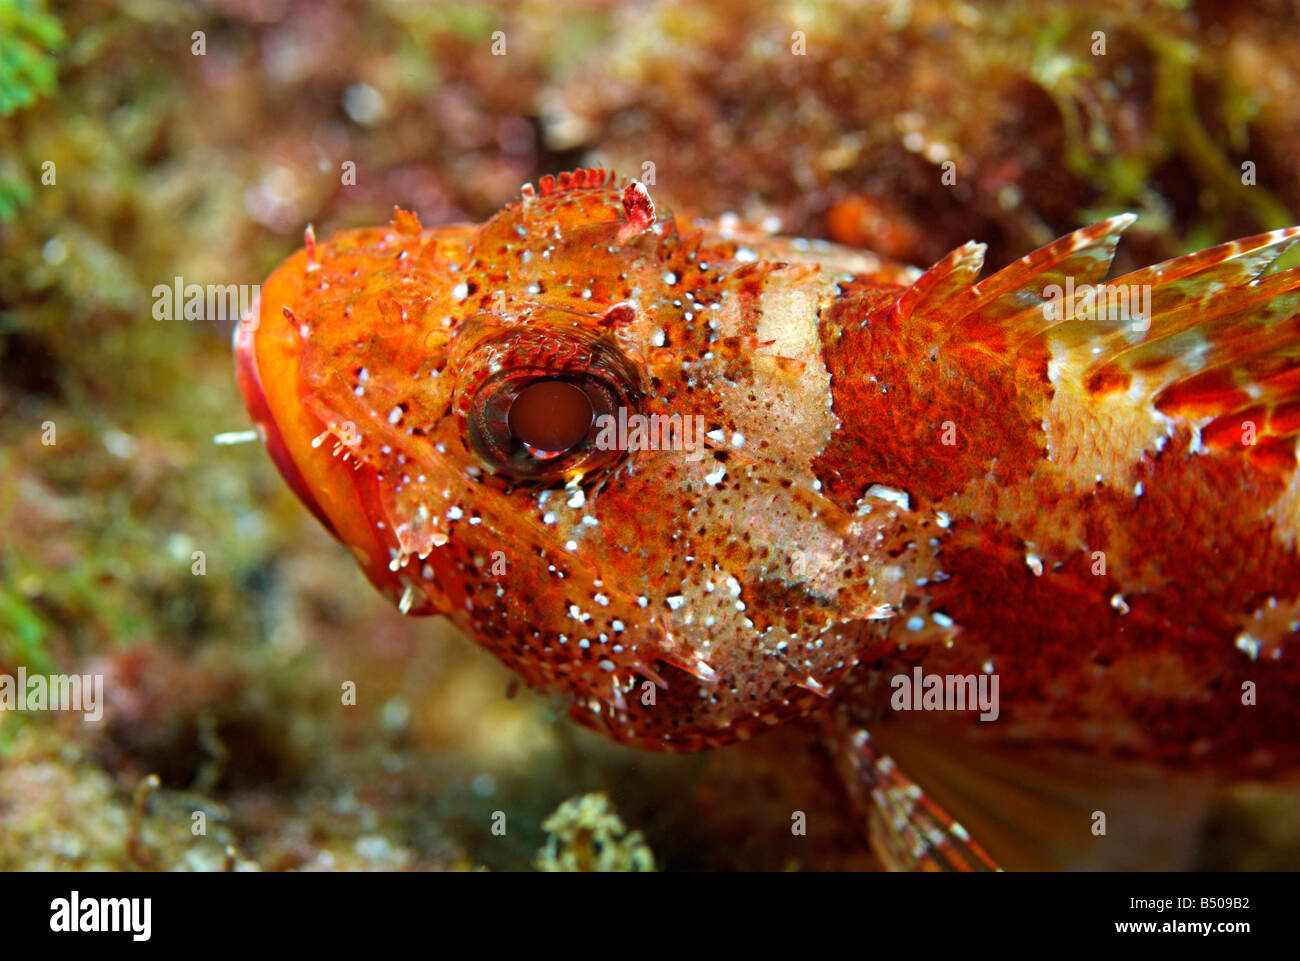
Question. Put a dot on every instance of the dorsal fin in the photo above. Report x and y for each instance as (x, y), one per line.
(1219, 347)
(1084, 255)
(952, 277)
(1210, 338)
(1224, 343)
(1008, 305)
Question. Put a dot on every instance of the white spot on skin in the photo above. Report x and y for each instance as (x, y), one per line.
(578, 499)
(715, 478)
(675, 601)
(891, 494)
(460, 291)
(1035, 564)
(395, 415)
(704, 672)
(1117, 601)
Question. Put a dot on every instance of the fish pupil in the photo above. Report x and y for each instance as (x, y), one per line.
(550, 415)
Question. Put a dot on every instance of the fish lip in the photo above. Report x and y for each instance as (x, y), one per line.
(249, 380)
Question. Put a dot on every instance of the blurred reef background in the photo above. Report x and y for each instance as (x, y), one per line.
(169, 162)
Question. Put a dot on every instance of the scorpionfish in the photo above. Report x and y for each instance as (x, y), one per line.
(865, 475)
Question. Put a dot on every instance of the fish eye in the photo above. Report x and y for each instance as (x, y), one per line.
(532, 401)
(550, 416)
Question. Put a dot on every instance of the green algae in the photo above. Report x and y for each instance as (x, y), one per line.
(587, 835)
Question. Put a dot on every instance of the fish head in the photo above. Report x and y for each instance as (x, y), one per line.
(586, 435)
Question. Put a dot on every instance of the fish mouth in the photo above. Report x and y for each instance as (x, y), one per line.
(249, 380)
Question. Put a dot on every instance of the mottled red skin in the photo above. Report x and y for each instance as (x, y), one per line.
(1067, 660)
(841, 372)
